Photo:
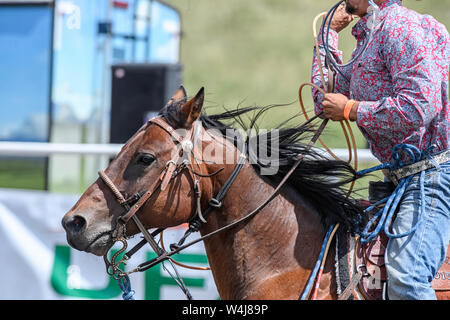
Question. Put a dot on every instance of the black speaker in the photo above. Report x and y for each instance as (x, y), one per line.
(139, 91)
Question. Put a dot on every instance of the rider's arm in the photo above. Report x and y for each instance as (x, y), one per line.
(416, 64)
(342, 85)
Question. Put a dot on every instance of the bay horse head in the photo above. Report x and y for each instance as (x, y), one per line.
(92, 223)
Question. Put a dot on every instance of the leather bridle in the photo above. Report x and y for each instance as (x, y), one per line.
(180, 161)
(172, 169)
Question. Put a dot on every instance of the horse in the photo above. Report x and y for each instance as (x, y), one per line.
(270, 256)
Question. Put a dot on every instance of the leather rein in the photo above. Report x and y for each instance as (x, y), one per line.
(173, 167)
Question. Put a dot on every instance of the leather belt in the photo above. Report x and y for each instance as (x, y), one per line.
(396, 175)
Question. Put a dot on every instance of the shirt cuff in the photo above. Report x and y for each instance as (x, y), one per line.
(363, 113)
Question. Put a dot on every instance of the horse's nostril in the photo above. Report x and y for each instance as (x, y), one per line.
(75, 224)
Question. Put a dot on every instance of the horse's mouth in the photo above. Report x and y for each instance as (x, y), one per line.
(101, 244)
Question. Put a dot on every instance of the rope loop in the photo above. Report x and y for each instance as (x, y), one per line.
(125, 285)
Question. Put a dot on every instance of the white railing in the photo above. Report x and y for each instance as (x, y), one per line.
(33, 149)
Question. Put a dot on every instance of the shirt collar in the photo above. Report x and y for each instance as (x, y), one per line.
(360, 29)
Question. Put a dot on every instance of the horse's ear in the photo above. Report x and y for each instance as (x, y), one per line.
(191, 110)
(179, 95)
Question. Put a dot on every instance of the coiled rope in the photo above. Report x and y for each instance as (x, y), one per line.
(386, 214)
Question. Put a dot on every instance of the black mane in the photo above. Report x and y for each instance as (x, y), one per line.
(317, 179)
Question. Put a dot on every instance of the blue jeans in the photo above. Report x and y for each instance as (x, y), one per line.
(412, 261)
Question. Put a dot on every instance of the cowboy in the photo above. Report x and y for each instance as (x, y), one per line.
(397, 93)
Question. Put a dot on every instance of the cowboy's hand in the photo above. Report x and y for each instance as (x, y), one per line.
(334, 105)
(341, 19)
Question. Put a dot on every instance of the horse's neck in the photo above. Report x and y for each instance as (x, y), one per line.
(269, 257)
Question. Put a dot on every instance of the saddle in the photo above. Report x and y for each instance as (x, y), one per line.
(353, 257)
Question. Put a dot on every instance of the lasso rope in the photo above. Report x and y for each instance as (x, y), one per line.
(320, 263)
(386, 214)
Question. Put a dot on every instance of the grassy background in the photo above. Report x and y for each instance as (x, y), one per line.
(17, 173)
(258, 52)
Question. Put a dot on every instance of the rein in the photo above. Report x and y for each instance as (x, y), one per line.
(173, 168)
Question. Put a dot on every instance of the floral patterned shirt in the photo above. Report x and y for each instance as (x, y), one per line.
(401, 80)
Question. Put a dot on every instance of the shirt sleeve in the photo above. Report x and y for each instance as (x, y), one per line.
(415, 70)
(342, 85)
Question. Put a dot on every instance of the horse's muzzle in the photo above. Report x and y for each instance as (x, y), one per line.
(83, 238)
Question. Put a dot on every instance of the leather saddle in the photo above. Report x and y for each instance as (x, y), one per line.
(352, 256)
(370, 258)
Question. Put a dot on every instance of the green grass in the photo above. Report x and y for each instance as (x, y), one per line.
(22, 173)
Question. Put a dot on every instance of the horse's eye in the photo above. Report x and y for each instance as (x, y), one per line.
(146, 159)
